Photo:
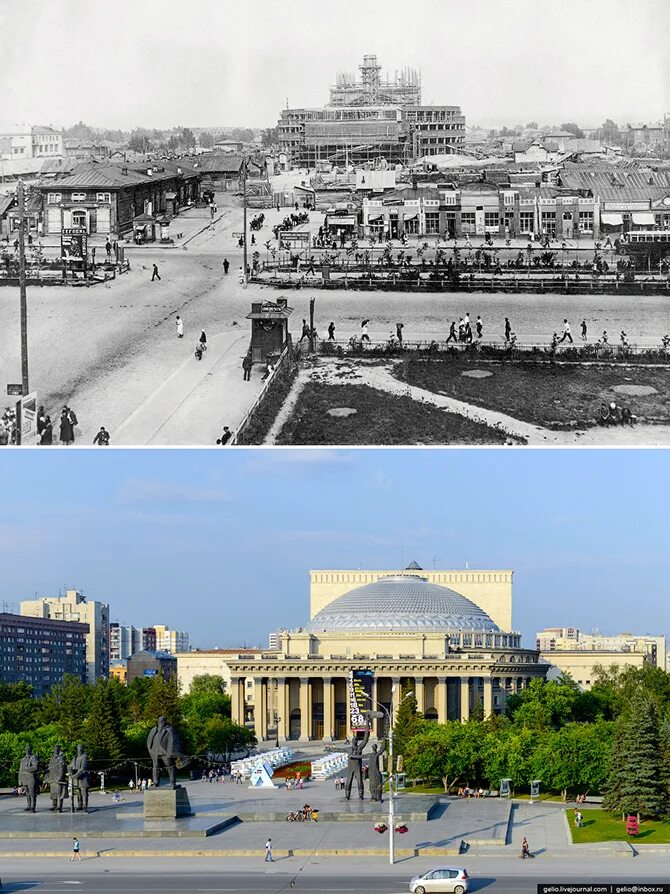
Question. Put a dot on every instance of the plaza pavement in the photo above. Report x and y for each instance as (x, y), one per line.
(108, 350)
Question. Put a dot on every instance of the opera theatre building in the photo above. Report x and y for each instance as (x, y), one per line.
(445, 635)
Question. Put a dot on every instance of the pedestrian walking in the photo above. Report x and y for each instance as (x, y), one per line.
(180, 326)
(76, 853)
(566, 332)
(364, 331)
(226, 435)
(452, 332)
(268, 851)
(398, 331)
(108, 249)
(226, 266)
(479, 326)
(583, 330)
(331, 332)
(247, 363)
(155, 274)
(203, 338)
(624, 339)
(46, 436)
(305, 331)
(68, 420)
(508, 329)
(102, 437)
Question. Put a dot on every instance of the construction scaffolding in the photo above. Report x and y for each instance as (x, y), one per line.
(404, 89)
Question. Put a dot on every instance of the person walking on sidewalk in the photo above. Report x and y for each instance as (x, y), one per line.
(583, 330)
(331, 332)
(566, 332)
(226, 266)
(398, 329)
(247, 363)
(268, 851)
(180, 327)
(155, 274)
(364, 331)
(76, 853)
(508, 329)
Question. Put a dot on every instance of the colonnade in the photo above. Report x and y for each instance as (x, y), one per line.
(305, 708)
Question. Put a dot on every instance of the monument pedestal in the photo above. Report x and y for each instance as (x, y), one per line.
(166, 803)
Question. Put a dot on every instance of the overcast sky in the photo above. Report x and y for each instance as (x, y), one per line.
(158, 63)
(220, 543)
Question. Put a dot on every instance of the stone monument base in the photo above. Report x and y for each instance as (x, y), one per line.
(166, 803)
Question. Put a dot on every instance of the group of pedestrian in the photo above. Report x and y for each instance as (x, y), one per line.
(8, 429)
(465, 334)
(142, 784)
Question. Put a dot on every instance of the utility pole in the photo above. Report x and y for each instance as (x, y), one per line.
(22, 290)
(244, 225)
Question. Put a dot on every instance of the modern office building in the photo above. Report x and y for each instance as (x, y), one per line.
(151, 664)
(74, 606)
(171, 640)
(445, 635)
(124, 640)
(371, 118)
(39, 651)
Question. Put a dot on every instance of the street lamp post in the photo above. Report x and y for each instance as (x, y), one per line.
(389, 717)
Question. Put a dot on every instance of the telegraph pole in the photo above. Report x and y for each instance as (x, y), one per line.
(244, 206)
(22, 290)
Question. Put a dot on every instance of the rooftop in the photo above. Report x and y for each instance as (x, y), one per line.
(402, 602)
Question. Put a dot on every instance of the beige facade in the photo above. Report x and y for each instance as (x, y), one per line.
(490, 590)
(212, 661)
(74, 606)
(561, 638)
(171, 640)
(454, 660)
(580, 663)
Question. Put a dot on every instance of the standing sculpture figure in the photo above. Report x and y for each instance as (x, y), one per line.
(163, 745)
(375, 778)
(57, 778)
(80, 779)
(28, 768)
(355, 765)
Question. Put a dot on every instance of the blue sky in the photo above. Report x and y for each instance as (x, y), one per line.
(220, 542)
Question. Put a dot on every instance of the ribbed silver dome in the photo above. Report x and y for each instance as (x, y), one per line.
(402, 602)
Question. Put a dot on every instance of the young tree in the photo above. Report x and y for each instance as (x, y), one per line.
(102, 731)
(450, 752)
(163, 701)
(635, 781)
(408, 722)
(207, 684)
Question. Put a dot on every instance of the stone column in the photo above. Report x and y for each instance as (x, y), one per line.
(488, 697)
(465, 699)
(420, 694)
(283, 712)
(260, 708)
(305, 710)
(328, 710)
(235, 701)
(441, 700)
(395, 696)
(518, 684)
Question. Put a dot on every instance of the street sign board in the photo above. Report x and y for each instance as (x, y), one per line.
(26, 418)
(15, 390)
(360, 693)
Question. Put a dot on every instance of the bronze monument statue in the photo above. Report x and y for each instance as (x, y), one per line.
(163, 746)
(57, 779)
(355, 765)
(28, 768)
(375, 778)
(80, 779)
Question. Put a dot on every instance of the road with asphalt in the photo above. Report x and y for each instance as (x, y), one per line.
(336, 877)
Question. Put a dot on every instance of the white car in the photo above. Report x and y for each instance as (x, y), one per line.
(446, 879)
